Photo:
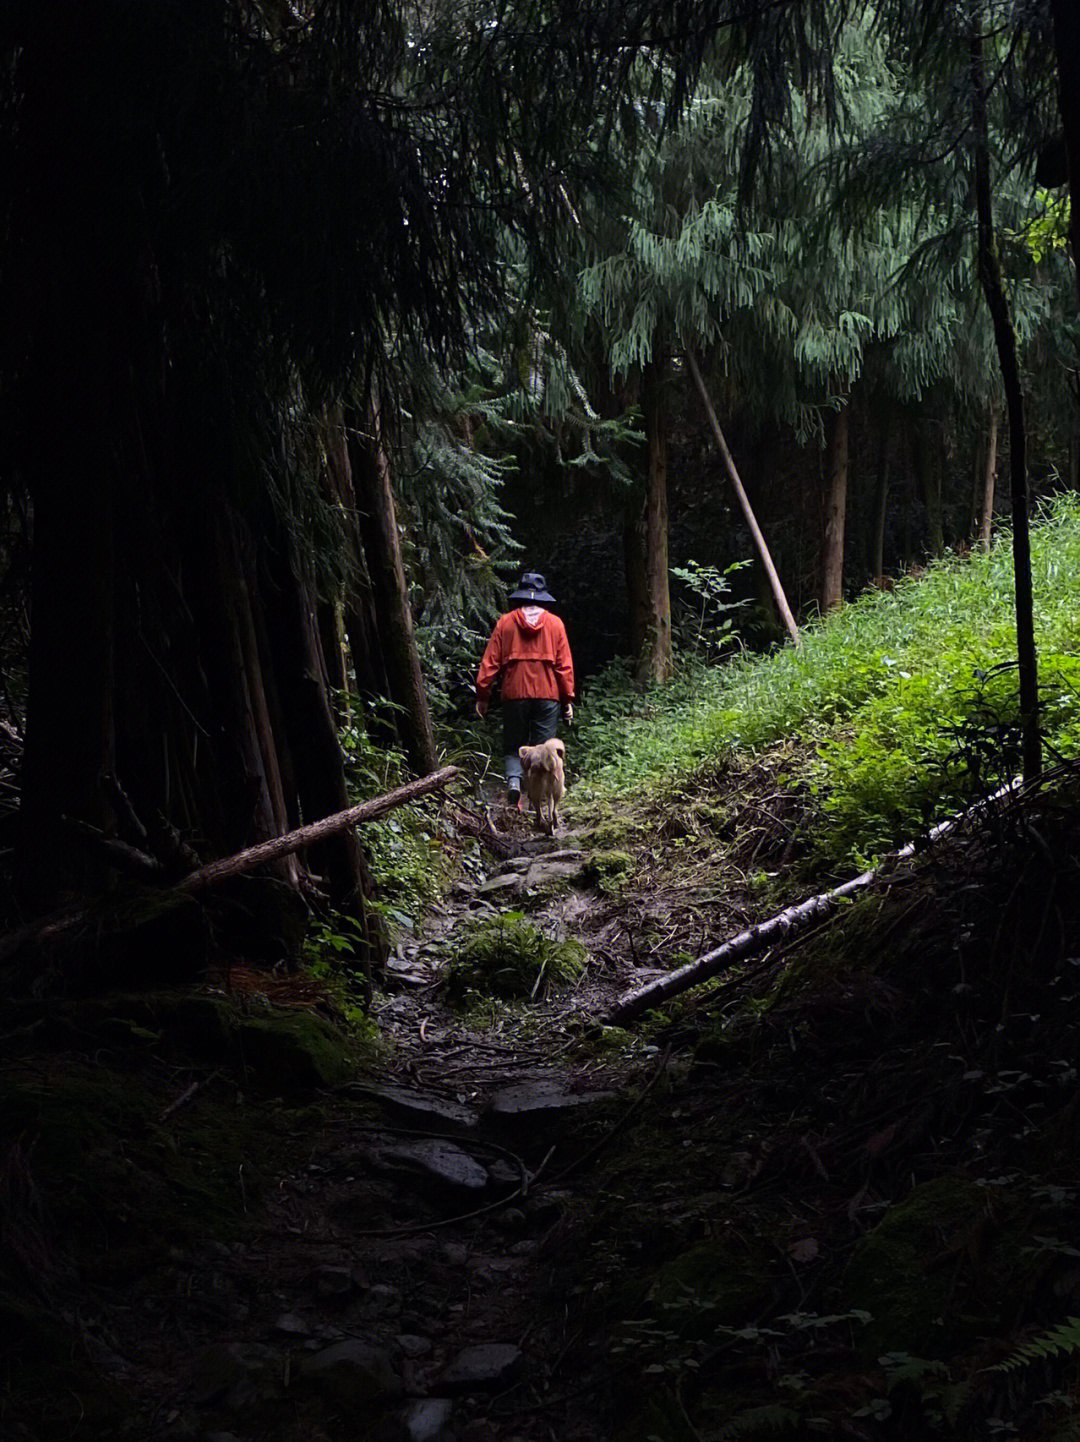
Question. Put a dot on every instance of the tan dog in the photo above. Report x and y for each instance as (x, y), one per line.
(544, 780)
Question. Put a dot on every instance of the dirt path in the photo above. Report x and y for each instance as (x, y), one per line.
(396, 1275)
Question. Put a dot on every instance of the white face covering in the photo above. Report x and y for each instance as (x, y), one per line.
(533, 614)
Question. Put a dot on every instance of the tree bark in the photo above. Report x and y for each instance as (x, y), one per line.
(1067, 45)
(988, 478)
(835, 511)
(748, 514)
(929, 475)
(377, 518)
(881, 509)
(313, 738)
(1005, 339)
(654, 658)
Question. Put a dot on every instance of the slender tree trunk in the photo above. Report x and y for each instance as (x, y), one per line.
(1067, 45)
(377, 517)
(881, 509)
(929, 476)
(740, 492)
(654, 659)
(835, 511)
(1005, 339)
(316, 751)
(988, 457)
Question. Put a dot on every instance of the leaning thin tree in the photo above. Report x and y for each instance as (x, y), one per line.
(990, 278)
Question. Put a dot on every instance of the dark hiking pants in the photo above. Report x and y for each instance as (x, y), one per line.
(525, 723)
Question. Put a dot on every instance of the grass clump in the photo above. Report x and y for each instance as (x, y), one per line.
(508, 957)
(609, 871)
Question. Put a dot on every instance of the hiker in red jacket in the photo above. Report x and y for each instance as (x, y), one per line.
(529, 651)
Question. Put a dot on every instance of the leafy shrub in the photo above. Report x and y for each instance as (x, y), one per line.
(508, 957)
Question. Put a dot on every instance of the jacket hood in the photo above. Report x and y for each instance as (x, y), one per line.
(523, 621)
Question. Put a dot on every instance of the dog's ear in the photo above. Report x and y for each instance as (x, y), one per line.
(560, 748)
(523, 751)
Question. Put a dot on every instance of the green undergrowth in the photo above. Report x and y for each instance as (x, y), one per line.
(508, 957)
(905, 703)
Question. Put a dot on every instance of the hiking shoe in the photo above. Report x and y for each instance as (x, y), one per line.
(513, 796)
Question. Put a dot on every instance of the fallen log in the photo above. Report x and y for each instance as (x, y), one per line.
(294, 841)
(757, 938)
(48, 927)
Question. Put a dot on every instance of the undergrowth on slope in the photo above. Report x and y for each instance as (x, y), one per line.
(906, 701)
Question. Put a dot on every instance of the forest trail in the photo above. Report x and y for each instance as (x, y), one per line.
(510, 1224)
(397, 1271)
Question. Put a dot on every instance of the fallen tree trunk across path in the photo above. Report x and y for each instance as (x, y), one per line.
(756, 939)
(293, 841)
(46, 928)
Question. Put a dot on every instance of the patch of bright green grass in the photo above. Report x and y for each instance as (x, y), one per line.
(908, 699)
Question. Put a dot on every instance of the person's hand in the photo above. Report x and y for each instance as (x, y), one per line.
(481, 709)
(568, 713)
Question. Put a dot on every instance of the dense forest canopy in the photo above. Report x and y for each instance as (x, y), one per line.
(319, 317)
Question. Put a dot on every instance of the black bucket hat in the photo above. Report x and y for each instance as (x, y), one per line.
(533, 589)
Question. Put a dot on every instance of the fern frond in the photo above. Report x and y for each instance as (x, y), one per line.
(1062, 1340)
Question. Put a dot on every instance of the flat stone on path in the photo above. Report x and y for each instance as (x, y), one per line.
(549, 871)
(436, 1113)
(510, 885)
(485, 1365)
(539, 1099)
(431, 1160)
(425, 1421)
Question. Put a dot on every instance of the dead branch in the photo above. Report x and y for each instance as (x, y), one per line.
(294, 841)
(59, 923)
(767, 933)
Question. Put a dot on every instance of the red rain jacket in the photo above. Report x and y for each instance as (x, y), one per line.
(534, 661)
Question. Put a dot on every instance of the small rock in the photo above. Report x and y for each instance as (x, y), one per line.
(506, 1179)
(500, 886)
(334, 1284)
(510, 1219)
(436, 1113)
(413, 1345)
(437, 1162)
(548, 872)
(243, 1375)
(484, 1366)
(353, 1372)
(292, 1325)
(426, 1420)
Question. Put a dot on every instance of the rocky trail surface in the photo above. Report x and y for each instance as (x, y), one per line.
(389, 1275)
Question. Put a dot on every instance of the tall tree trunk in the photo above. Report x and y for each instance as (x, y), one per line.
(316, 751)
(988, 457)
(1005, 339)
(654, 659)
(1067, 45)
(881, 508)
(377, 518)
(835, 510)
(744, 503)
(929, 476)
